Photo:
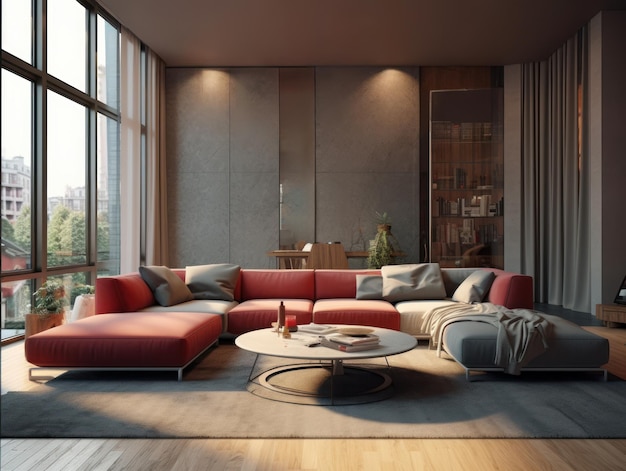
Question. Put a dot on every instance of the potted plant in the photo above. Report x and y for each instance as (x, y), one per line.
(83, 301)
(49, 309)
(382, 248)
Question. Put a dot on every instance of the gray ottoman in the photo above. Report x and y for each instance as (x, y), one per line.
(571, 348)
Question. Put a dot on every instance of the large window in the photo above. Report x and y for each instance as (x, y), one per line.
(17, 17)
(60, 149)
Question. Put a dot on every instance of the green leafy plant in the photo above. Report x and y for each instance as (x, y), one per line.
(381, 252)
(382, 218)
(50, 298)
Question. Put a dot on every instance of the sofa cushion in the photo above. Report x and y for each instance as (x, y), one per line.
(277, 284)
(375, 313)
(142, 339)
(122, 293)
(474, 288)
(260, 313)
(167, 287)
(369, 287)
(512, 290)
(412, 281)
(213, 281)
(412, 314)
(337, 283)
(473, 344)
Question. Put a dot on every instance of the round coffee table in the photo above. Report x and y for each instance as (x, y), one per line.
(325, 379)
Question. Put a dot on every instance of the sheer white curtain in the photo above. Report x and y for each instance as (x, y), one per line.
(130, 152)
(555, 180)
(153, 240)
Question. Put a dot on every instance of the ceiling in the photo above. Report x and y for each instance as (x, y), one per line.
(221, 33)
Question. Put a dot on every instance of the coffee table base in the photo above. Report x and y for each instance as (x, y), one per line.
(327, 383)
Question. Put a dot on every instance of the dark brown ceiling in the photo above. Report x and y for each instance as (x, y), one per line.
(201, 33)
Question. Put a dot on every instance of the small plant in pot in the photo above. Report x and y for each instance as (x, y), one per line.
(49, 308)
(382, 248)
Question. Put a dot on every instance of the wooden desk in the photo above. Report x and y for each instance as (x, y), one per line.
(291, 259)
(365, 254)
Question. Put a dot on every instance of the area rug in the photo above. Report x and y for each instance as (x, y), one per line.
(431, 399)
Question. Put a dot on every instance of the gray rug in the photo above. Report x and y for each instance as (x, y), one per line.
(431, 399)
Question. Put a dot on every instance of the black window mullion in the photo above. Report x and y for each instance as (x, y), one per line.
(39, 180)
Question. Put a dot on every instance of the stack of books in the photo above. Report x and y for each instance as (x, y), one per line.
(350, 343)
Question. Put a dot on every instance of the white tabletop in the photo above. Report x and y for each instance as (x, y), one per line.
(268, 342)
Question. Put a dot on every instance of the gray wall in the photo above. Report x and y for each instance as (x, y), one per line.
(223, 150)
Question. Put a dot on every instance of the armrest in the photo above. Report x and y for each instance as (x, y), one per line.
(512, 290)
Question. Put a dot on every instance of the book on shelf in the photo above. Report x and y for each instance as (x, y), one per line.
(348, 348)
(352, 340)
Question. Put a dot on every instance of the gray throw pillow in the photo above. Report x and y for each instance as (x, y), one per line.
(369, 287)
(474, 288)
(167, 287)
(214, 281)
(412, 281)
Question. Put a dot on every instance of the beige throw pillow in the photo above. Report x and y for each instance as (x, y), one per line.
(412, 281)
(474, 288)
(167, 287)
(213, 281)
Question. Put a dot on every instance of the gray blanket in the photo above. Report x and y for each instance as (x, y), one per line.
(522, 333)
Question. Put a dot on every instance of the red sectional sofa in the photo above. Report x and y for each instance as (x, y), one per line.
(132, 331)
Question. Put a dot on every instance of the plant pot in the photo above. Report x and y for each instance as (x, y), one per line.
(34, 323)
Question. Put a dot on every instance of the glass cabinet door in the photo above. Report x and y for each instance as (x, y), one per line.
(467, 178)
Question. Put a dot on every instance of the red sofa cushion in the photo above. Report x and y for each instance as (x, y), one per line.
(142, 339)
(277, 284)
(512, 290)
(260, 313)
(124, 293)
(370, 312)
(338, 283)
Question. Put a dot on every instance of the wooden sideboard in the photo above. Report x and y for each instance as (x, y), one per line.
(611, 314)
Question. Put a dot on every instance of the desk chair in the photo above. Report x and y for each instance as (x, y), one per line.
(327, 256)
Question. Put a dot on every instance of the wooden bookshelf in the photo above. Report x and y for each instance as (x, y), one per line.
(467, 178)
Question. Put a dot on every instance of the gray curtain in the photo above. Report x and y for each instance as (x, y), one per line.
(555, 177)
(156, 227)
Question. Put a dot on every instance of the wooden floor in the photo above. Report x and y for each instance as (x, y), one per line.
(298, 454)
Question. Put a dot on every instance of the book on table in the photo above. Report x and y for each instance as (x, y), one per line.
(348, 348)
(345, 339)
(319, 329)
